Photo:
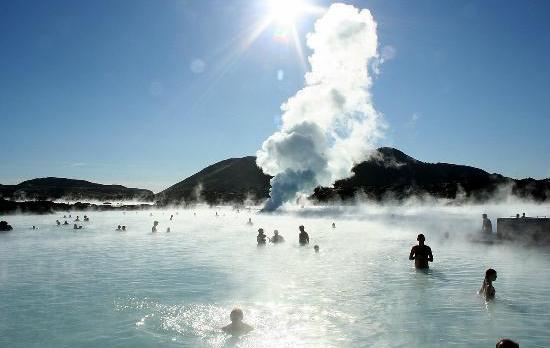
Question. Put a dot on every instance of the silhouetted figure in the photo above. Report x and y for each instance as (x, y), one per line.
(277, 238)
(506, 343)
(316, 248)
(237, 326)
(86, 218)
(64, 216)
(76, 227)
(303, 237)
(171, 217)
(333, 225)
(168, 230)
(154, 229)
(65, 223)
(261, 237)
(249, 222)
(4, 227)
(487, 226)
(33, 227)
(523, 215)
(487, 290)
(58, 223)
(119, 228)
(124, 228)
(421, 253)
(77, 218)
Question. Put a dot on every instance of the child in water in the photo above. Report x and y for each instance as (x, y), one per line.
(487, 290)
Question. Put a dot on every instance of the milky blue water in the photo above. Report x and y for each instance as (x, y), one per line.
(96, 287)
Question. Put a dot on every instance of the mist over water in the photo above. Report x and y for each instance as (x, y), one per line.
(97, 287)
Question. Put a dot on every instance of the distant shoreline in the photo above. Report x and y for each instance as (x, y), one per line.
(49, 207)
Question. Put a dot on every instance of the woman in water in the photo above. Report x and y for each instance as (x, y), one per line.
(487, 290)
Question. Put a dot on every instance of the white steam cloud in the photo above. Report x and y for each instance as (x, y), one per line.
(330, 124)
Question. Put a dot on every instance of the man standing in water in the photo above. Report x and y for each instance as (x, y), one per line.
(237, 326)
(303, 237)
(421, 253)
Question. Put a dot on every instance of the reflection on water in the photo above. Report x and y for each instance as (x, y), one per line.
(98, 287)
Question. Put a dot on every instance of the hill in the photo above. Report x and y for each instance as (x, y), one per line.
(389, 173)
(70, 189)
(231, 180)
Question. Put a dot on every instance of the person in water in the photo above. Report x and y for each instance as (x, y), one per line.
(168, 230)
(316, 248)
(124, 228)
(249, 222)
(277, 238)
(154, 229)
(303, 237)
(487, 290)
(421, 253)
(333, 225)
(237, 326)
(487, 226)
(58, 222)
(506, 343)
(119, 228)
(65, 223)
(261, 238)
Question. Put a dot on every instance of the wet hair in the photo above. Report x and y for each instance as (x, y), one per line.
(301, 227)
(316, 247)
(506, 343)
(260, 230)
(489, 273)
(420, 236)
(276, 232)
(236, 314)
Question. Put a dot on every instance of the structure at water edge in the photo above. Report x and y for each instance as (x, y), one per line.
(528, 229)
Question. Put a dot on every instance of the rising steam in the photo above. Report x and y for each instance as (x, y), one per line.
(330, 124)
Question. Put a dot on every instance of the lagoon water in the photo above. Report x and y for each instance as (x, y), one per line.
(96, 287)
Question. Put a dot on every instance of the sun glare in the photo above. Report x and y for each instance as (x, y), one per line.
(286, 12)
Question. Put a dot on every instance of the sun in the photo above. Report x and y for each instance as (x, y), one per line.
(287, 12)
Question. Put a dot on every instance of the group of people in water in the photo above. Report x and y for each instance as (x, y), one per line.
(75, 226)
(303, 237)
(420, 253)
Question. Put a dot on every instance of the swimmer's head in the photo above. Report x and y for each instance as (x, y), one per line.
(316, 248)
(276, 232)
(491, 274)
(260, 230)
(484, 216)
(236, 315)
(421, 238)
(506, 343)
(301, 228)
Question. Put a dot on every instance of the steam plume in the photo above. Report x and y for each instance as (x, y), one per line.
(330, 124)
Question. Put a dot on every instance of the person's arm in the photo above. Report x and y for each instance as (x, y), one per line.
(430, 256)
(411, 256)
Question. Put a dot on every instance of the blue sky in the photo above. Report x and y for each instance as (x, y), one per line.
(146, 93)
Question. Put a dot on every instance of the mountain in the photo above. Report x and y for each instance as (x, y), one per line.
(389, 173)
(70, 189)
(231, 180)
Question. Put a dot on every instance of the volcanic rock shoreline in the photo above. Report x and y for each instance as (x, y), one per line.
(389, 175)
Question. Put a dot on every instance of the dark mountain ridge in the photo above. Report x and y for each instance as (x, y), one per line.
(61, 188)
(389, 173)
